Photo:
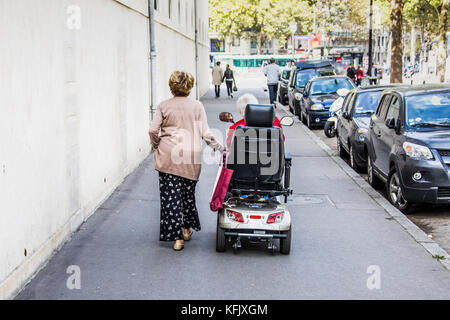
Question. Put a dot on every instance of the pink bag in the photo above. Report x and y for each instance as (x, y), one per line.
(221, 186)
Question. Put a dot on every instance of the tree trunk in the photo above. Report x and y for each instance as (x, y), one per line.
(397, 50)
(442, 42)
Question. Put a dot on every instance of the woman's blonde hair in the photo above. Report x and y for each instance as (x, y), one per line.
(244, 100)
(181, 83)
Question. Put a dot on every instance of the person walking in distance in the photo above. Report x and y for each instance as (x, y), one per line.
(229, 80)
(217, 78)
(373, 73)
(359, 75)
(272, 71)
(351, 72)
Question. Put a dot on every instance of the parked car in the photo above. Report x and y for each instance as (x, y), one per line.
(319, 94)
(409, 145)
(283, 85)
(301, 73)
(353, 124)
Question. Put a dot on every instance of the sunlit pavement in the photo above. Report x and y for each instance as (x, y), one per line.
(345, 246)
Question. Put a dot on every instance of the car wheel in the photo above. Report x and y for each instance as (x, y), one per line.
(308, 122)
(341, 151)
(395, 194)
(329, 129)
(220, 238)
(353, 163)
(285, 243)
(374, 181)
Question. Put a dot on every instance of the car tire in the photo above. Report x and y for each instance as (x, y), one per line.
(329, 129)
(285, 243)
(308, 122)
(220, 238)
(373, 180)
(353, 163)
(340, 150)
(395, 194)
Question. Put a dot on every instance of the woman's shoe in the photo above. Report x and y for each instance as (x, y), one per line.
(187, 236)
(178, 246)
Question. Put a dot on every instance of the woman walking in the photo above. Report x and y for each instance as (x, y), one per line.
(176, 132)
(229, 80)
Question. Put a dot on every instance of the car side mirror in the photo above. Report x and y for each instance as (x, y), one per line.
(226, 117)
(345, 115)
(287, 121)
(390, 123)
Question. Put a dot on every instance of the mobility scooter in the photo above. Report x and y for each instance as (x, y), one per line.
(254, 208)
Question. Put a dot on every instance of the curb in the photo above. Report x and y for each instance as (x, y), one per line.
(414, 231)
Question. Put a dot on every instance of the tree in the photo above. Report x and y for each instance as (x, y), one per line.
(442, 42)
(397, 49)
(261, 20)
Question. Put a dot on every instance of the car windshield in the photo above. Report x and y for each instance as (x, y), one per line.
(329, 86)
(303, 76)
(366, 103)
(431, 111)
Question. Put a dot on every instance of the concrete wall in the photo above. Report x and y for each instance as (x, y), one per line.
(74, 103)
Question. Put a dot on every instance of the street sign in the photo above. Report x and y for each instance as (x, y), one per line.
(293, 27)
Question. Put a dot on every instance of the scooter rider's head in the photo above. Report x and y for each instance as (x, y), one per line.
(244, 100)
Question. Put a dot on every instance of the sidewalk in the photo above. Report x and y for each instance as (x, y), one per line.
(340, 235)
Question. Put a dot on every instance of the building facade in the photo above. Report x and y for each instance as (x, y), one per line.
(75, 97)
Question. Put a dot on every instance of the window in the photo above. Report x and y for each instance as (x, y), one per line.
(394, 109)
(170, 9)
(179, 12)
(347, 102)
(381, 111)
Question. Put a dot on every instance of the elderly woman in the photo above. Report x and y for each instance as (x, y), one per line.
(176, 134)
(241, 103)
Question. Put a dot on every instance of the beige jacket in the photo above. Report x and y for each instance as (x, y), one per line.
(176, 132)
(217, 76)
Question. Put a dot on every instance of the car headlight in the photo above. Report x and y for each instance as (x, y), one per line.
(361, 134)
(416, 151)
(317, 106)
(297, 96)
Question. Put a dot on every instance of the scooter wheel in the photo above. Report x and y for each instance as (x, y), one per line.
(220, 238)
(329, 129)
(285, 243)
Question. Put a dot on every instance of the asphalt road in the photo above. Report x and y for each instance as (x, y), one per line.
(340, 236)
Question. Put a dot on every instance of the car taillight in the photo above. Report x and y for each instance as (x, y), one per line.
(234, 215)
(275, 217)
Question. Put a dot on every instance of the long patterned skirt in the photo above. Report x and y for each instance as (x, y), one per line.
(178, 210)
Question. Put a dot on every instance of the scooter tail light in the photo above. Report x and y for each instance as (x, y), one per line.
(234, 215)
(275, 217)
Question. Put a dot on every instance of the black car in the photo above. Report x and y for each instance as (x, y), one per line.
(319, 94)
(353, 123)
(409, 145)
(301, 73)
(283, 85)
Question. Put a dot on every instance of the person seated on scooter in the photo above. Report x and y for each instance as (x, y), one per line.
(241, 104)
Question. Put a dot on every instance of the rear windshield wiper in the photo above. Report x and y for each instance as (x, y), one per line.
(365, 112)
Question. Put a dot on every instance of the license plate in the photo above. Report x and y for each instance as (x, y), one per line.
(259, 232)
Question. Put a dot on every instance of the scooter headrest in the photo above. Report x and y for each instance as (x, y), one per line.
(259, 115)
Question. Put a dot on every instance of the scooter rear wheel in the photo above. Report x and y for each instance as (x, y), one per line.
(220, 238)
(285, 243)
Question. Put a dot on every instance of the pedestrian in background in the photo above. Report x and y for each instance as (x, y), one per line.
(373, 73)
(359, 75)
(217, 78)
(176, 134)
(229, 80)
(272, 71)
(351, 72)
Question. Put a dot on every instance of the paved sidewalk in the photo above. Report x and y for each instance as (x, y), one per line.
(339, 232)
